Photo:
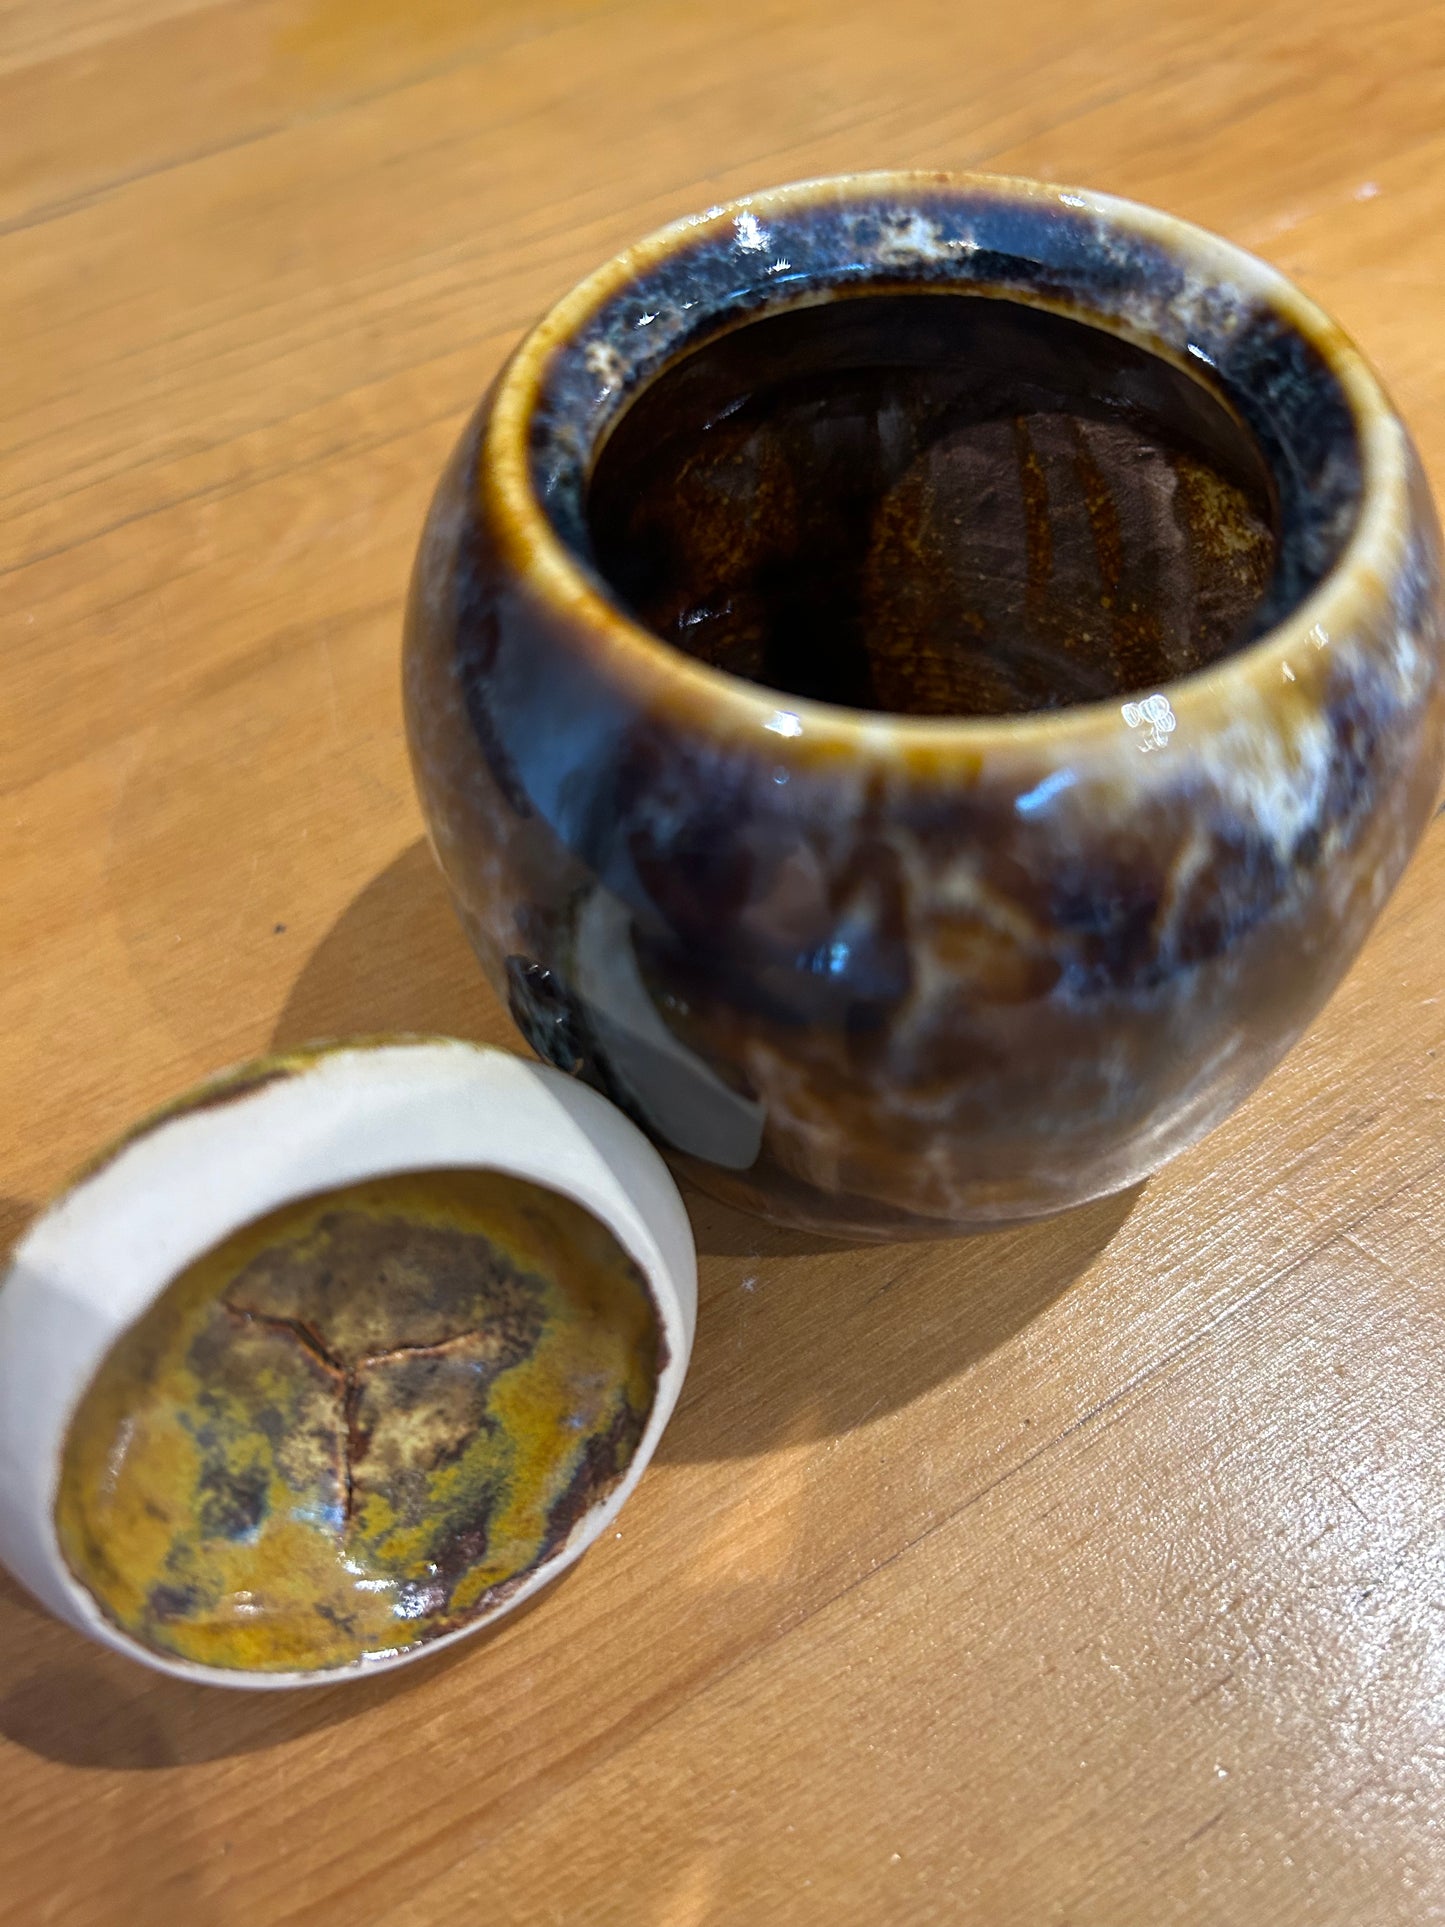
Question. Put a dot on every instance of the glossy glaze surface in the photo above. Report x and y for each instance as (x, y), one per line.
(355, 1424)
(860, 970)
(934, 505)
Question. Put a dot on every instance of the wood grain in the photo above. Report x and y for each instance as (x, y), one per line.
(1089, 1574)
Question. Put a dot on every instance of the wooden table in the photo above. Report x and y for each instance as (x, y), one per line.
(1088, 1574)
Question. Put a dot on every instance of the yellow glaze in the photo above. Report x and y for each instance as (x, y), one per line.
(341, 1431)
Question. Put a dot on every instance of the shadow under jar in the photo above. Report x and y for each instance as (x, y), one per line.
(920, 686)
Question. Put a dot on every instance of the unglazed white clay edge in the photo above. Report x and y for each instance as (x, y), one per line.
(95, 1261)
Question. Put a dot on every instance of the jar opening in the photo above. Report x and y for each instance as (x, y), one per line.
(935, 505)
(1119, 451)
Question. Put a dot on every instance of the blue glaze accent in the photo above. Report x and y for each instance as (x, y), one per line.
(1044, 793)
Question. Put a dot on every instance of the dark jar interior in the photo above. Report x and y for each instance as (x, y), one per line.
(930, 502)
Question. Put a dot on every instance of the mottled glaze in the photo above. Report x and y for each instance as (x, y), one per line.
(354, 1425)
(869, 971)
(337, 1359)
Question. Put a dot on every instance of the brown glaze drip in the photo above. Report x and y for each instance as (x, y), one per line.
(935, 505)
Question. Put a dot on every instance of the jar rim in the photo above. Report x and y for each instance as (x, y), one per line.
(567, 384)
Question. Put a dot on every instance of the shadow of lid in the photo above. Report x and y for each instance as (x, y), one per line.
(83, 1705)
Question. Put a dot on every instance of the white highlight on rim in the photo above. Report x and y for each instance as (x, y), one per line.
(751, 237)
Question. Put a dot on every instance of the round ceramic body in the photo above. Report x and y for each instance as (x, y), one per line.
(869, 971)
(230, 1154)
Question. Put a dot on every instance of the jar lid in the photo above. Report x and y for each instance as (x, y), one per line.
(338, 1359)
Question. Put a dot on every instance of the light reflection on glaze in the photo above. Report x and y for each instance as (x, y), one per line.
(1042, 794)
(1065, 959)
(358, 1422)
(1155, 717)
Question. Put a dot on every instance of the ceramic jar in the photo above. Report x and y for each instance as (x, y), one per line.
(862, 968)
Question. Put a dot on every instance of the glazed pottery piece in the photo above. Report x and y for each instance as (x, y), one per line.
(338, 1360)
(920, 686)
